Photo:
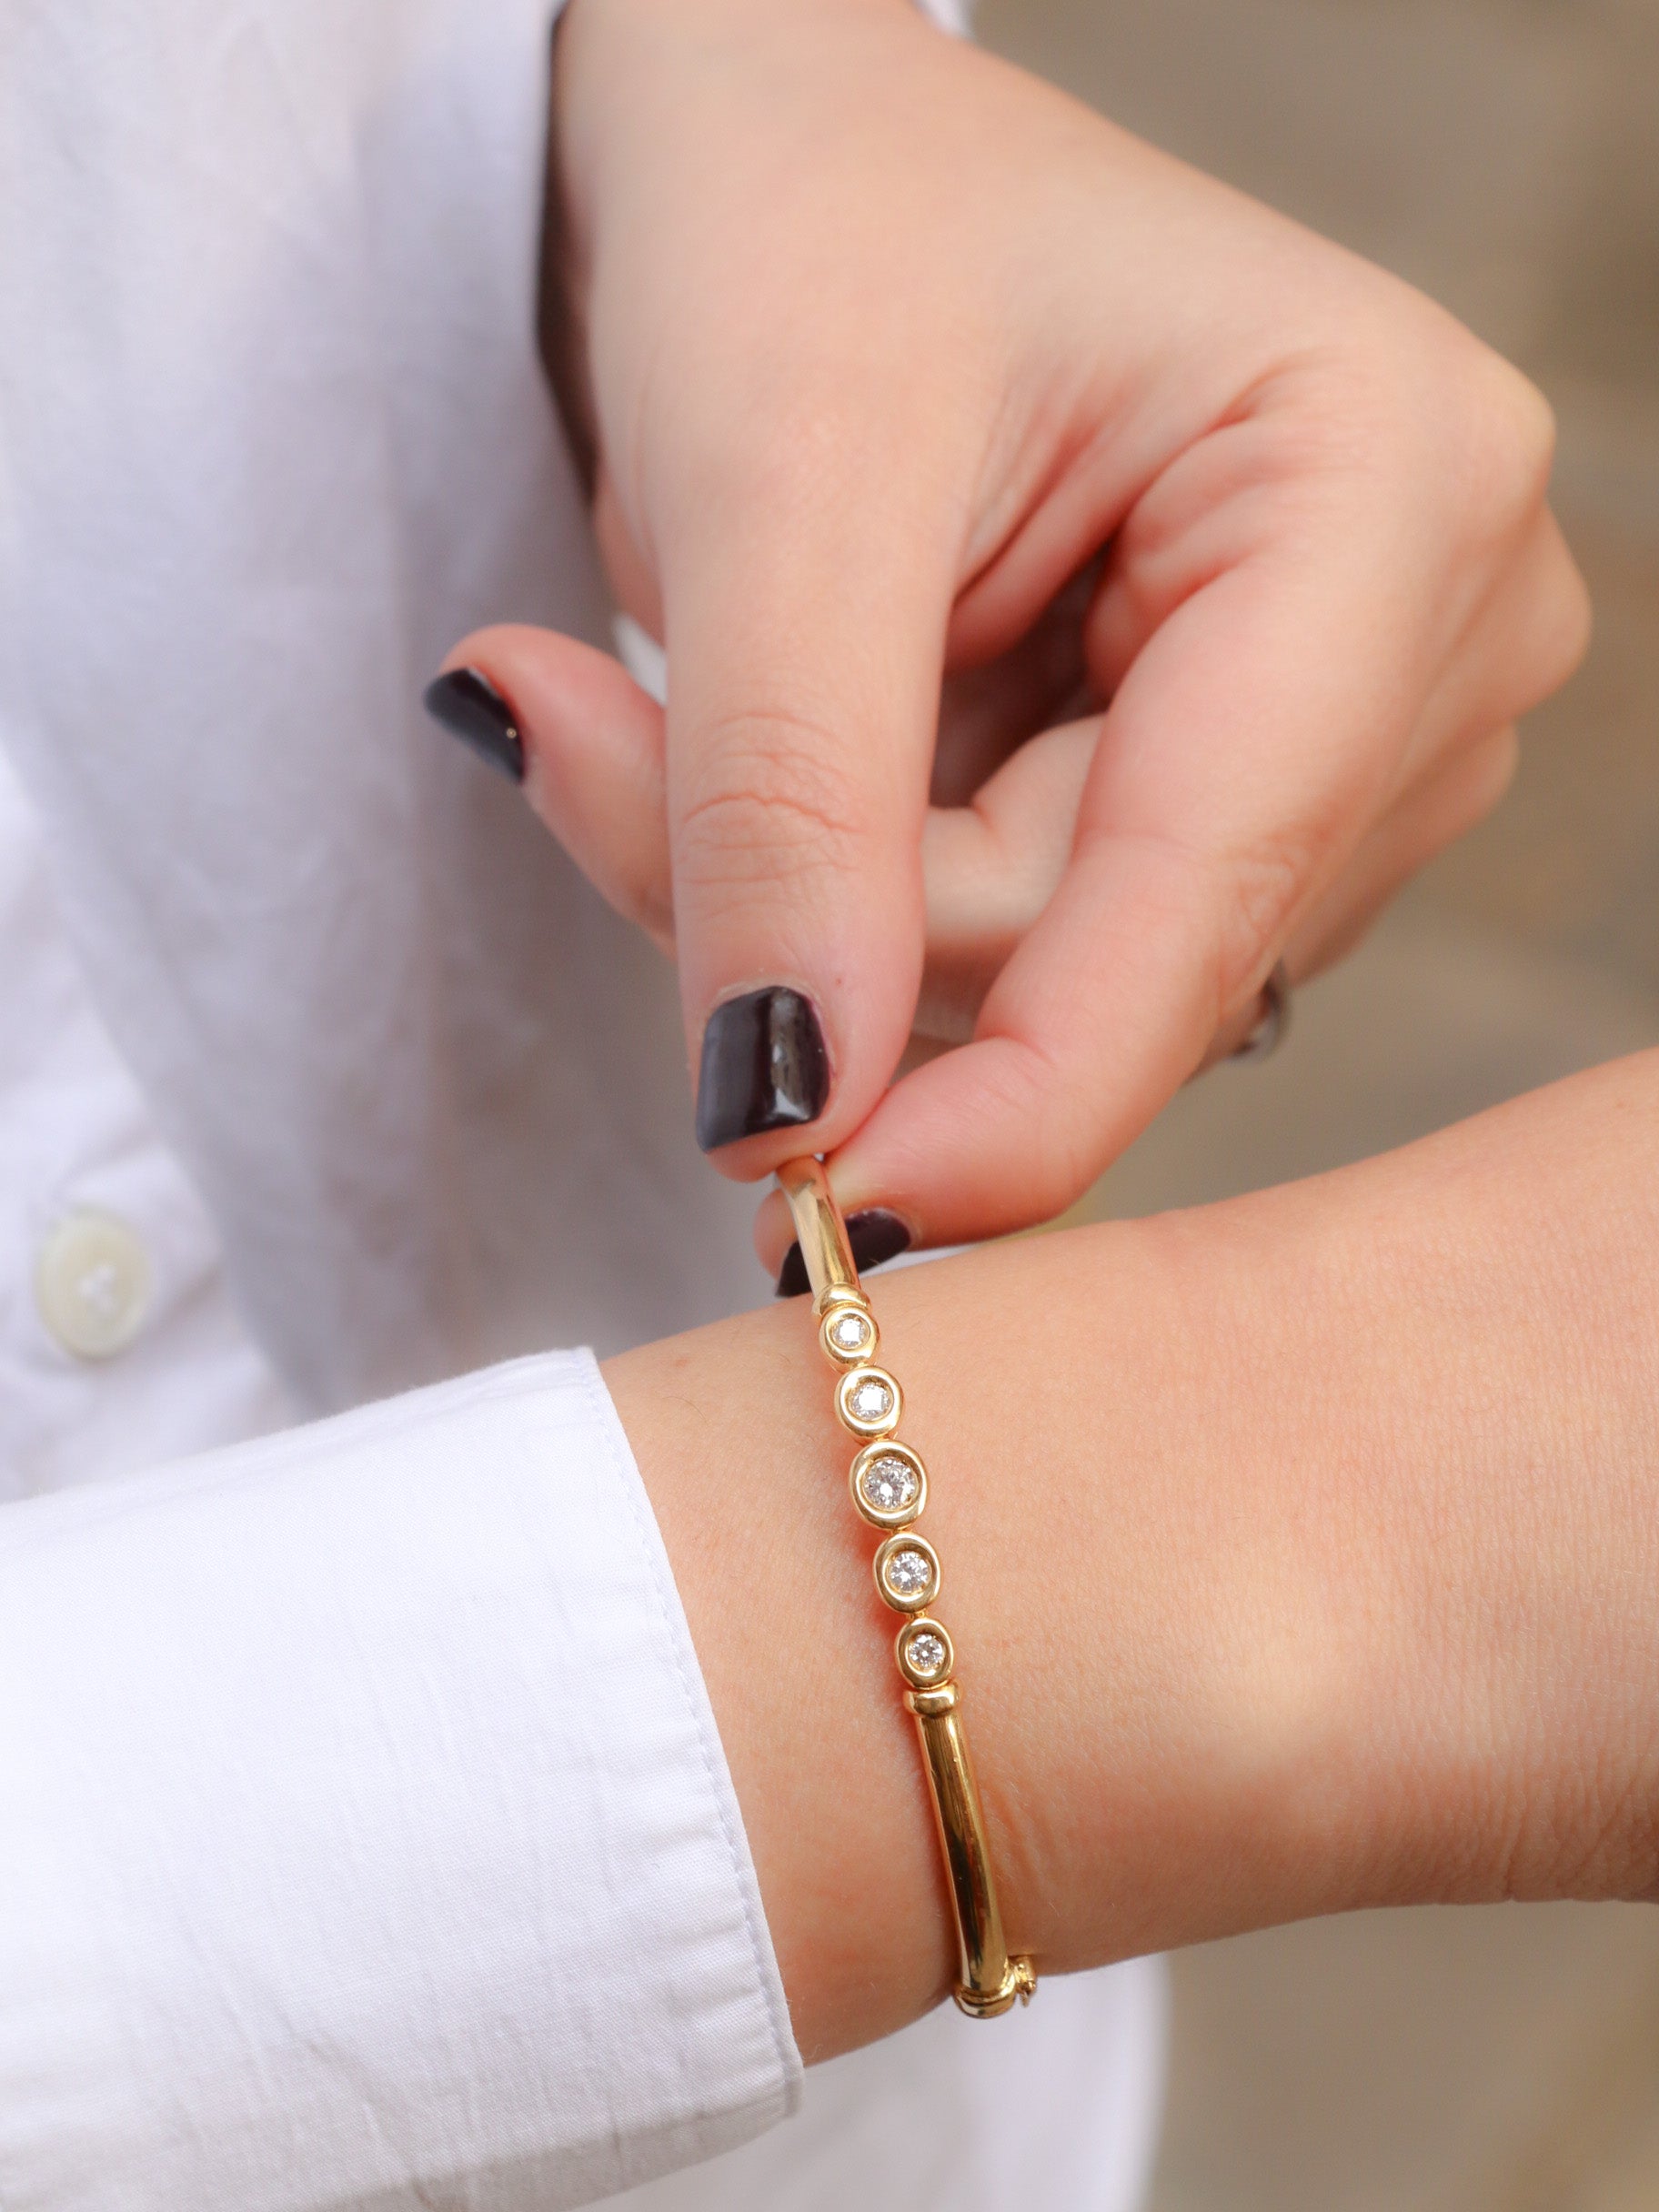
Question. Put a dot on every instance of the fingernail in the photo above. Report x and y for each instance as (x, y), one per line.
(467, 705)
(874, 1236)
(764, 1067)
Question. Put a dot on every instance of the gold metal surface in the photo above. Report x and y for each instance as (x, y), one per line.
(845, 1314)
(908, 1543)
(989, 1980)
(857, 1379)
(821, 1231)
(912, 1547)
(924, 1625)
(888, 1516)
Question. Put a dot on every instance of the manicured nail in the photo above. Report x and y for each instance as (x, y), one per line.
(764, 1067)
(874, 1236)
(467, 705)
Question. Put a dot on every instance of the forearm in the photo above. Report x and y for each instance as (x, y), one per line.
(1299, 1553)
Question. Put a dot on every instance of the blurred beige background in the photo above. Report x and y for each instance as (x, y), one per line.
(1504, 155)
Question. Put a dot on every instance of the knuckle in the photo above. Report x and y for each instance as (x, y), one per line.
(1546, 624)
(1511, 430)
(1504, 430)
(1426, 395)
(771, 793)
(1495, 451)
(1266, 881)
(1562, 625)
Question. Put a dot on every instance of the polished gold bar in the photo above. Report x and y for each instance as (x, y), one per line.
(989, 1980)
(821, 1232)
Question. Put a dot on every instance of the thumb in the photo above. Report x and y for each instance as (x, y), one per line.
(806, 640)
(586, 742)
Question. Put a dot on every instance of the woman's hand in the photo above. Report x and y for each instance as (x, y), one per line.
(904, 366)
(1299, 1553)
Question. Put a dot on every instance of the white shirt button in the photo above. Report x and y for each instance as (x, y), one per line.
(92, 1284)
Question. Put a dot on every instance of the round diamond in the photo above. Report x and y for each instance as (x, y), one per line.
(869, 1400)
(909, 1572)
(851, 1332)
(872, 1401)
(891, 1483)
(925, 1652)
(907, 1576)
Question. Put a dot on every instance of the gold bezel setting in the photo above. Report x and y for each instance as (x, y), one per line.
(901, 1593)
(841, 1320)
(920, 1638)
(868, 1379)
(888, 1516)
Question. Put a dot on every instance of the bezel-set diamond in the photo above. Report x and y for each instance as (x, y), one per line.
(924, 1653)
(868, 1401)
(848, 1334)
(890, 1483)
(907, 1572)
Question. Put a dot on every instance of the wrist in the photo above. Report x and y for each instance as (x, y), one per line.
(1117, 1646)
(1300, 1559)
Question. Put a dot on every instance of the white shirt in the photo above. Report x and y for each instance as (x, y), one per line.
(86, 1186)
(367, 1839)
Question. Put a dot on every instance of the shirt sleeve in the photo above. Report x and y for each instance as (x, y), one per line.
(366, 1835)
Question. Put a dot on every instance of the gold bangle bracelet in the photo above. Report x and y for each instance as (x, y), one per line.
(889, 1489)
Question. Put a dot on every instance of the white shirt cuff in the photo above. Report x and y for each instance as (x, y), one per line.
(366, 1833)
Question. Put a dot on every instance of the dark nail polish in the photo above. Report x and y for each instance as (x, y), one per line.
(467, 705)
(764, 1067)
(874, 1236)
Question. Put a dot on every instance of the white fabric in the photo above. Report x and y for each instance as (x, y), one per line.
(273, 435)
(366, 1840)
(75, 1137)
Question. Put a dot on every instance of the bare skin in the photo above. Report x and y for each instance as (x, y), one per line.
(1301, 1555)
